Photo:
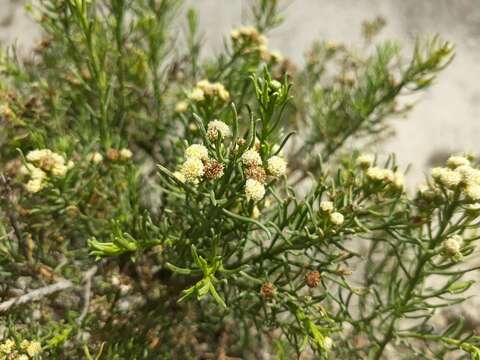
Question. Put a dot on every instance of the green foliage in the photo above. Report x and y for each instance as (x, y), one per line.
(192, 219)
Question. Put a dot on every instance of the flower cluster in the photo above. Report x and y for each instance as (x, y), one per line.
(458, 174)
(249, 38)
(256, 175)
(123, 154)
(216, 128)
(205, 89)
(387, 177)
(25, 351)
(197, 163)
(40, 164)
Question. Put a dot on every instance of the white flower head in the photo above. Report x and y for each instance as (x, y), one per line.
(452, 245)
(197, 151)
(277, 166)
(181, 107)
(7, 346)
(34, 185)
(456, 161)
(254, 190)
(469, 174)
(192, 169)
(472, 191)
(251, 158)
(365, 160)
(336, 218)
(34, 348)
(216, 128)
(450, 178)
(197, 95)
(326, 206)
(125, 154)
(95, 157)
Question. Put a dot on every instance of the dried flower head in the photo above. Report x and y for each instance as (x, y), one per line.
(256, 172)
(254, 190)
(196, 151)
(213, 169)
(312, 279)
(251, 158)
(277, 166)
(113, 154)
(216, 128)
(268, 290)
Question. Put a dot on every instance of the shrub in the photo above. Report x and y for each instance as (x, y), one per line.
(158, 202)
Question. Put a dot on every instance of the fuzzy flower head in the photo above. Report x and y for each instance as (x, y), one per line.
(217, 128)
(7, 346)
(95, 157)
(277, 166)
(248, 34)
(455, 161)
(213, 169)
(326, 206)
(256, 172)
(452, 245)
(365, 161)
(251, 158)
(192, 169)
(196, 151)
(336, 218)
(377, 174)
(181, 107)
(472, 191)
(196, 95)
(469, 174)
(125, 154)
(450, 178)
(37, 178)
(49, 161)
(254, 190)
(34, 348)
(205, 88)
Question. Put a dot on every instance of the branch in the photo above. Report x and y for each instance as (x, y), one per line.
(36, 295)
(87, 279)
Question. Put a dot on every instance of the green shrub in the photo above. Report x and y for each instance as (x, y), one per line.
(163, 203)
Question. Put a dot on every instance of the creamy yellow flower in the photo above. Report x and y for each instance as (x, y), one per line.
(251, 157)
(254, 190)
(192, 169)
(197, 151)
(336, 218)
(277, 166)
